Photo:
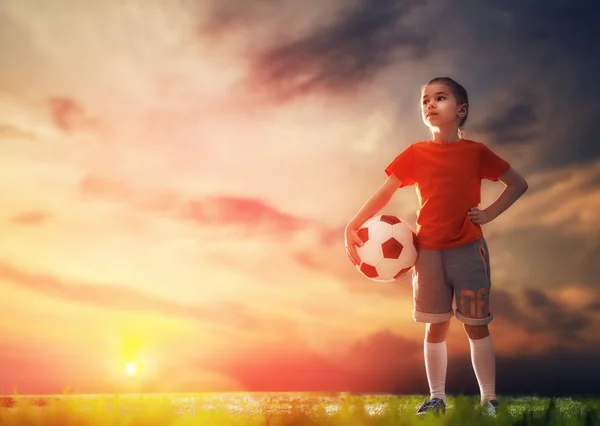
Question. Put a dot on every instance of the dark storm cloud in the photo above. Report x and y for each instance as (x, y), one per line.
(559, 372)
(553, 317)
(548, 258)
(543, 56)
(532, 310)
(386, 363)
(343, 56)
(565, 35)
(515, 124)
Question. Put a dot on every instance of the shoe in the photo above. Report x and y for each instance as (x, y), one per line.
(488, 407)
(434, 405)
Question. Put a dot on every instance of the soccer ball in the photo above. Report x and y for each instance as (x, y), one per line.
(390, 248)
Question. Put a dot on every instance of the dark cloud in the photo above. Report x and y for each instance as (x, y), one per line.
(388, 363)
(552, 317)
(532, 310)
(558, 372)
(547, 258)
(517, 124)
(342, 57)
(540, 55)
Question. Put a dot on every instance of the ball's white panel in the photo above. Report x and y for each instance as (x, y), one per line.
(371, 221)
(380, 231)
(387, 268)
(371, 252)
(402, 233)
(408, 257)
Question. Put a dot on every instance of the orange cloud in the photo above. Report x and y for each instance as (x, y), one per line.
(129, 299)
(249, 213)
(67, 114)
(31, 218)
(13, 132)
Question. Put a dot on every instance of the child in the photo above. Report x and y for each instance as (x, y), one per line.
(453, 259)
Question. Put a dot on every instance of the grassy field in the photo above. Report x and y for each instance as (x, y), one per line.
(284, 409)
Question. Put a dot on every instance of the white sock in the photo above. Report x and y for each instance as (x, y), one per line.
(484, 365)
(436, 363)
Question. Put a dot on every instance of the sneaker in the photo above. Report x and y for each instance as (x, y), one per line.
(434, 405)
(489, 407)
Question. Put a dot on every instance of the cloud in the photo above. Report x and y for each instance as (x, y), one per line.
(106, 188)
(564, 200)
(252, 214)
(31, 218)
(541, 314)
(8, 131)
(246, 212)
(515, 124)
(384, 362)
(380, 362)
(128, 299)
(558, 372)
(343, 56)
(68, 115)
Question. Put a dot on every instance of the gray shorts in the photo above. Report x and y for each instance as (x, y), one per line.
(461, 274)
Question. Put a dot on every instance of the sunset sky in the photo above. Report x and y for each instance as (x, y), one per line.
(176, 177)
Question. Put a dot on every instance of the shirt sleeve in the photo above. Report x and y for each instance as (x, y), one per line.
(403, 167)
(491, 166)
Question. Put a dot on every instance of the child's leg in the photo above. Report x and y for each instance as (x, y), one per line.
(468, 268)
(436, 358)
(433, 306)
(483, 358)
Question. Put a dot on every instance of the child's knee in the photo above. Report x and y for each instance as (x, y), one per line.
(436, 332)
(476, 332)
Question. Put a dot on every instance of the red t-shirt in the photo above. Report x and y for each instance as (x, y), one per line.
(448, 183)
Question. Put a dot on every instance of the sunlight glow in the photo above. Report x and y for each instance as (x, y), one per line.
(130, 368)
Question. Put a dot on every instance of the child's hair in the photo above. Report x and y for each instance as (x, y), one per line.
(459, 93)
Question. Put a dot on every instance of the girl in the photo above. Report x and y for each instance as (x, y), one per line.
(453, 261)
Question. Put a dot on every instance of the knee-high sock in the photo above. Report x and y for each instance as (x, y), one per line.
(436, 364)
(484, 365)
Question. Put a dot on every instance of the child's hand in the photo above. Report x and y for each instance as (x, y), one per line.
(480, 217)
(353, 240)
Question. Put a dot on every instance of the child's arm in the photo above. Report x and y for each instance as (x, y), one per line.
(378, 201)
(516, 186)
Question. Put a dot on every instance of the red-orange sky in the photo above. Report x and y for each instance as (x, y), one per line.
(176, 178)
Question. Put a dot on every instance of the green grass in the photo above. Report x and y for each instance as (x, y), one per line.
(283, 409)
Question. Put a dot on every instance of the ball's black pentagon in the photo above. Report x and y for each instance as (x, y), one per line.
(389, 219)
(363, 234)
(402, 272)
(391, 249)
(368, 270)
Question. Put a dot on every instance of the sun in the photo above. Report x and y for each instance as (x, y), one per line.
(130, 368)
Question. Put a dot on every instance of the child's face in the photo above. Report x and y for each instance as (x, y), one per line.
(439, 107)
